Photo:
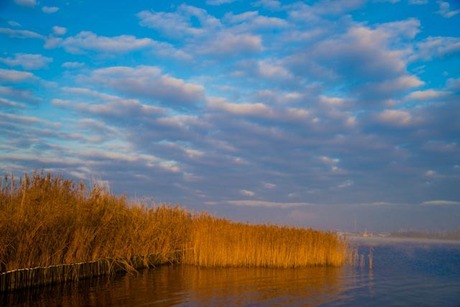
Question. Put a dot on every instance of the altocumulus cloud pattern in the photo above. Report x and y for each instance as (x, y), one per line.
(333, 114)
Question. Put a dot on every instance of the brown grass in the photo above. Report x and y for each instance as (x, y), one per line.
(47, 220)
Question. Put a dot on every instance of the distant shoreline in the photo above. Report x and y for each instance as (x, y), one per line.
(391, 239)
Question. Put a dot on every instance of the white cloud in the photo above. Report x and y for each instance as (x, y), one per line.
(86, 40)
(27, 61)
(326, 7)
(346, 184)
(59, 30)
(179, 23)
(408, 28)
(52, 42)
(252, 109)
(20, 94)
(171, 24)
(148, 81)
(247, 193)
(269, 4)
(270, 70)
(445, 11)
(361, 52)
(430, 173)
(73, 65)
(438, 46)
(266, 204)
(332, 101)
(440, 203)
(395, 117)
(425, 95)
(252, 21)
(28, 3)
(15, 75)
(21, 33)
(328, 160)
(268, 185)
(228, 44)
(111, 106)
(218, 2)
(400, 84)
(50, 9)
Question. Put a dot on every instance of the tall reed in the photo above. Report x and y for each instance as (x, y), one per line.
(219, 242)
(47, 220)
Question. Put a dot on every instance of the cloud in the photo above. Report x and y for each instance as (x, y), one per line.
(205, 35)
(346, 184)
(24, 95)
(179, 24)
(365, 51)
(397, 118)
(266, 204)
(434, 47)
(22, 34)
(440, 203)
(59, 30)
(426, 95)
(27, 3)
(149, 82)
(28, 61)
(445, 11)
(247, 193)
(15, 76)
(87, 40)
(108, 106)
(218, 2)
(332, 101)
(226, 44)
(336, 7)
(73, 65)
(268, 4)
(50, 9)
(252, 21)
(117, 109)
(8, 104)
(250, 109)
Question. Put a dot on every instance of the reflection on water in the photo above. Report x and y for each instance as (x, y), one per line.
(402, 275)
(188, 285)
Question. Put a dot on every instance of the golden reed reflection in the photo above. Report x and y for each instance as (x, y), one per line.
(191, 285)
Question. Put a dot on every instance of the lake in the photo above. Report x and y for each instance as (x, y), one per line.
(404, 273)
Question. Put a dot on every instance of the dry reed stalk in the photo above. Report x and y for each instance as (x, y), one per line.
(219, 242)
(47, 220)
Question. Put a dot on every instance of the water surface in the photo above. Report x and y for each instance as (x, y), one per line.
(404, 273)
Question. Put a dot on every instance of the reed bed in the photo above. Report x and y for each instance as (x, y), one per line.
(220, 242)
(48, 220)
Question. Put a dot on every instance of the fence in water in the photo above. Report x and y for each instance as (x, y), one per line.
(39, 276)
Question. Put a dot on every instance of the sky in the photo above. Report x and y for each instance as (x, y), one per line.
(331, 114)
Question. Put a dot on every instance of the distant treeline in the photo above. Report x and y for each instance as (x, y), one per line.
(49, 220)
(453, 234)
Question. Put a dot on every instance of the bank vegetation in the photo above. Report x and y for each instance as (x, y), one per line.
(49, 220)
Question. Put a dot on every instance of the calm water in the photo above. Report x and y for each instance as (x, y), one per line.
(404, 273)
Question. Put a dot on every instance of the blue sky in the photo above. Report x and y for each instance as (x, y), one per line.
(337, 114)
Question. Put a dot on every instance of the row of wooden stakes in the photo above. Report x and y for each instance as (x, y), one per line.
(39, 276)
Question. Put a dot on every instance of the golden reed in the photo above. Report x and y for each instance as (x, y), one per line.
(48, 220)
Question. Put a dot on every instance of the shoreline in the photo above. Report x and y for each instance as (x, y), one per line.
(397, 240)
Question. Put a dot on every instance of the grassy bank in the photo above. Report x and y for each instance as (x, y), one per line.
(48, 220)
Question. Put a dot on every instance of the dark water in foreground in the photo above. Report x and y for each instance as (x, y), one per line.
(404, 273)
